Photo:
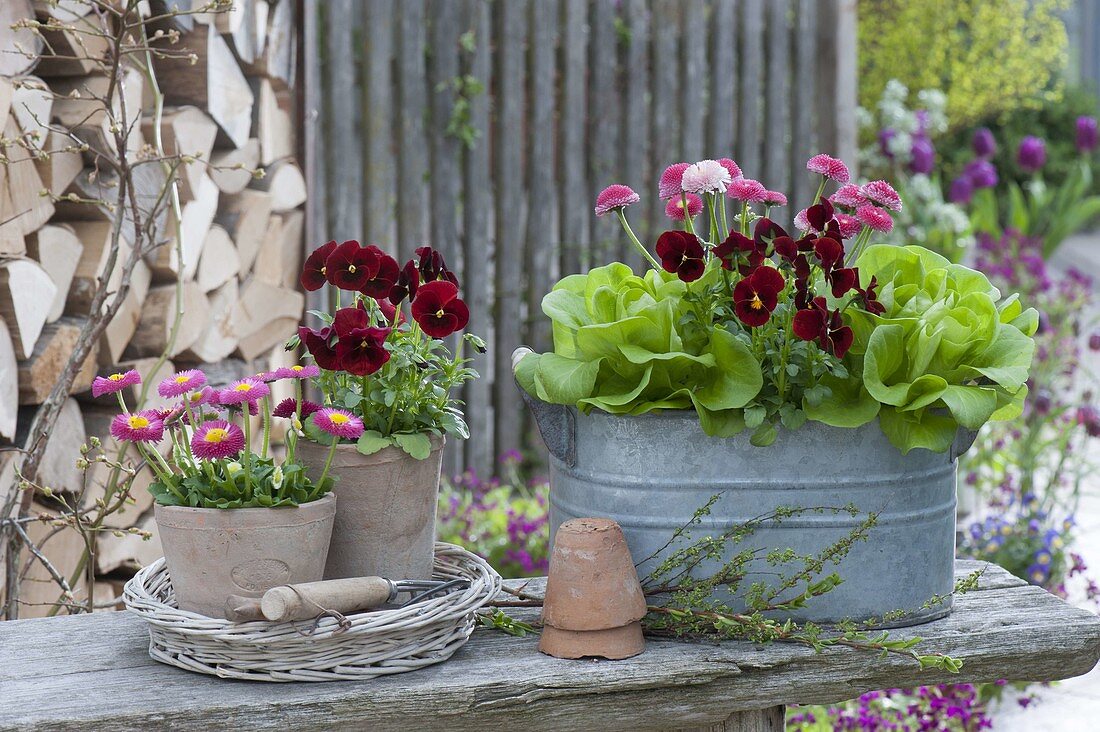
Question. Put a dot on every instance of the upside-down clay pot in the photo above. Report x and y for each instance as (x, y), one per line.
(594, 603)
(385, 517)
(213, 553)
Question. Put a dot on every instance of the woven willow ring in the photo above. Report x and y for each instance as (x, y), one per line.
(373, 644)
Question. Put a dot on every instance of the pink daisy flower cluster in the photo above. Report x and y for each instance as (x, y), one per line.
(829, 167)
(615, 197)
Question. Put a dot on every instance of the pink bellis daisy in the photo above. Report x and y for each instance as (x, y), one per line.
(675, 208)
(829, 167)
(115, 382)
(849, 225)
(143, 426)
(882, 193)
(338, 423)
(747, 190)
(774, 198)
(706, 176)
(181, 383)
(672, 181)
(286, 408)
(802, 221)
(205, 395)
(849, 196)
(615, 197)
(733, 168)
(217, 440)
(297, 371)
(875, 218)
(245, 390)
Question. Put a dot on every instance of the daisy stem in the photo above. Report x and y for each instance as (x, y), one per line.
(265, 404)
(745, 218)
(820, 190)
(689, 226)
(247, 419)
(725, 224)
(122, 402)
(328, 460)
(292, 433)
(712, 203)
(210, 472)
(157, 463)
(633, 238)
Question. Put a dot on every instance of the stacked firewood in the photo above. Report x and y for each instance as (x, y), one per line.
(229, 110)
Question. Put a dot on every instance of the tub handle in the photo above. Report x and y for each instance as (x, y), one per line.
(556, 422)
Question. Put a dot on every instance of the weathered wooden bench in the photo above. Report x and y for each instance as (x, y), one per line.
(91, 672)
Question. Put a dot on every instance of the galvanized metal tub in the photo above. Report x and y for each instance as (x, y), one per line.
(651, 473)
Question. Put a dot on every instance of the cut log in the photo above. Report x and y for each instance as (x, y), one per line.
(32, 104)
(62, 164)
(272, 118)
(219, 338)
(122, 327)
(280, 259)
(39, 373)
(95, 240)
(214, 83)
(9, 390)
(129, 551)
(198, 215)
(77, 47)
(23, 208)
(232, 169)
(99, 477)
(58, 467)
(219, 262)
(19, 47)
(58, 250)
(284, 181)
(26, 296)
(260, 14)
(239, 25)
(6, 92)
(225, 372)
(157, 316)
(245, 217)
(63, 548)
(79, 105)
(186, 131)
(281, 56)
(90, 185)
(265, 316)
(12, 243)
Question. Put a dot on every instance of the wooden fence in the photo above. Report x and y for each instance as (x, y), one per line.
(488, 127)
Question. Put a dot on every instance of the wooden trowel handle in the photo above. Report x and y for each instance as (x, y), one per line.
(310, 599)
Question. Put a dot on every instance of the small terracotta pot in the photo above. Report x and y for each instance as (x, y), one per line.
(385, 519)
(594, 602)
(213, 553)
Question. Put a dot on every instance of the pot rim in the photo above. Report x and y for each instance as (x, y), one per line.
(323, 507)
(388, 454)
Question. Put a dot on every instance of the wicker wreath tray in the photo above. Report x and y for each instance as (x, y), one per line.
(367, 645)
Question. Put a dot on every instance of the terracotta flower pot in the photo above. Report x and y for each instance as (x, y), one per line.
(213, 553)
(594, 602)
(385, 519)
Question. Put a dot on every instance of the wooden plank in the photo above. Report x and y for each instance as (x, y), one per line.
(314, 139)
(498, 682)
(750, 94)
(604, 126)
(836, 71)
(344, 167)
(575, 205)
(478, 235)
(637, 172)
(722, 112)
(777, 109)
(378, 189)
(803, 86)
(666, 113)
(412, 168)
(508, 143)
(542, 224)
(446, 157)
(693, 85)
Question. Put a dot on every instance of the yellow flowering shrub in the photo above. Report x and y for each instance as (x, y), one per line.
(988, 56)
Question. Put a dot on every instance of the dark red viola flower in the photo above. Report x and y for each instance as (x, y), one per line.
(362, 351)
(816, 323)
(820, 214)
(843, 280)
(803, 296)
(317, 343)
(738, 252)
(868, 298)
(406, 283)
(383, 276)
(313, 271)
(765, 234)
(350, 318)
(389, 312)
(438, 309)
(351, 266)
(755, 297)
(432, 267)
(829, 251)
(682, 254)
(287, 407)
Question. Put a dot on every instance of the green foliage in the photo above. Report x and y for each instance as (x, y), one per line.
(989, 56)
(259, 483)
(948, 351)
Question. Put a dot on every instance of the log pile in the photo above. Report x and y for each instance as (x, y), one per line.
(232, 272)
